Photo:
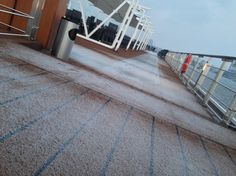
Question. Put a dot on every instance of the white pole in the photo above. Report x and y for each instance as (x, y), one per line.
(136, 31)
(143, 38)
(83, 18)
(214, 85)
(145, 41)
(107, 18)
(139, 36)
(129, 18)
(123, 24)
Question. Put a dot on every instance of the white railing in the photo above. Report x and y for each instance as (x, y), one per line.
(133, 9)
(215, 86)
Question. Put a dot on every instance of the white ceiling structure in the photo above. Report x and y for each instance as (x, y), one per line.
(129, 13)
(107, 6)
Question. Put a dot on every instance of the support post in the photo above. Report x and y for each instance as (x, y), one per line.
(140, 34)
(136, 31)
(142, 39)
(146, 41)
(215, 83)
(202, 77)
(119, 33)
(231, 112)
(33, 24)
(193, 71)
(130, 15)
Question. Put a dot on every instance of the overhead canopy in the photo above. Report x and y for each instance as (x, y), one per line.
(107, 6)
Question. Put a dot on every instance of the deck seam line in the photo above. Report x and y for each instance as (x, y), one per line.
(229, 155)
(63, 146)
(116, 143)
(33, 92)
(28, 125)
(12, 65)
(182, 151)
(209, 157)
(151, 168)
(22, 78)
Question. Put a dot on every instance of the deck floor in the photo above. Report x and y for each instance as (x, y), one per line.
(51, 125)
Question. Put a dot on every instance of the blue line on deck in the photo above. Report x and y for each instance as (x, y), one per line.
(209, 157)
(61, 149)
(42, 116)
(31, 93)
(151, 168)
(21, 78)
(182, 151)
(12, 65)
(115, 144)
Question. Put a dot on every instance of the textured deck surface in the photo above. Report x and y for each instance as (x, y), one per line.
(50, 125)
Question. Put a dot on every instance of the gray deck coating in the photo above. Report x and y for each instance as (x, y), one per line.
(53, 125)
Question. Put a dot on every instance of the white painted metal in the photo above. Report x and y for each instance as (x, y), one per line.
(146, 41)
(130, 15)
(134, 8)
(217, 79)
(120, 31)
(33, 24)
(107, 18)
(83, 18)
(87, 36)
(203, 75)
(143, 38)
(14, 12)
(231, 112)
(5, 24)
(33, 19)
(136, 30)
(140, 34)
(193, 71)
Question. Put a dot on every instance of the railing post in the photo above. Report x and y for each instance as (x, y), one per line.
(136, 31)
(231, 112)
(193, 71)
(144, 40)
(202, 77)
(218, 77)
(140, 34)
(33, 24)
(129, 17)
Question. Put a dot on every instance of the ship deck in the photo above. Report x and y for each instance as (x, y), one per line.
(103, 114)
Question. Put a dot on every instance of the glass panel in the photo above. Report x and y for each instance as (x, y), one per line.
(229, 77)
(207, 84)
(225, 96)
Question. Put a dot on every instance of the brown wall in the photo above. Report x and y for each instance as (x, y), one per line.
(49, 23)
(19, 22)
(5, 17)
(50, 20)
(24, 6)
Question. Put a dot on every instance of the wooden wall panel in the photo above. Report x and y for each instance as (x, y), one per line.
(50, 20)
(24, 6)
(6, 18)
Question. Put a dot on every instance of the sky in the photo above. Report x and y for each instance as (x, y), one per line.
(200, 26)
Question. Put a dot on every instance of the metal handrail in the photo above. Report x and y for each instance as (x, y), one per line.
(224, 105)
(9, 8)
(16, 13)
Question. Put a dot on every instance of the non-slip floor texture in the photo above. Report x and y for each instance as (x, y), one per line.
(52, 126)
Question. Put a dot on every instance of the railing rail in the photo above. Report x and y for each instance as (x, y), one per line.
(33, 19)
(208, 82)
